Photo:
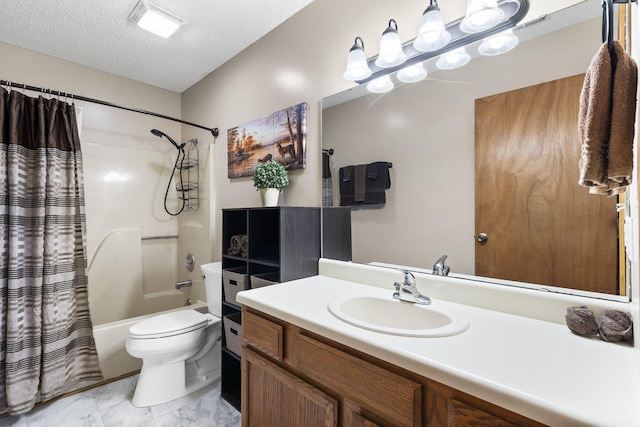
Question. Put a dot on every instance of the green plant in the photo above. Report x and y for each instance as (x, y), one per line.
(270, 175)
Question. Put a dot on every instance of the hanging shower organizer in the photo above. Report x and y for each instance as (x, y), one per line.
(189, 188)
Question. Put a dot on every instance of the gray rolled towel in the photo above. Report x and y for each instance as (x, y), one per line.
(581, 320)
(616, 326)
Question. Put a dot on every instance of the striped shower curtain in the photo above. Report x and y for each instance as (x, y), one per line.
(46, 339)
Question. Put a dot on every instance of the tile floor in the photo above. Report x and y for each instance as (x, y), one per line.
(110, 406)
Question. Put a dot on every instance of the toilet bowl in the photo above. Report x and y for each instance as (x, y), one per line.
(180, 350)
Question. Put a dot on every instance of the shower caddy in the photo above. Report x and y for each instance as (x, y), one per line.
(189, 188)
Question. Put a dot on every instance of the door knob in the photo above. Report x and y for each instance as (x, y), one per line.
(483, 237)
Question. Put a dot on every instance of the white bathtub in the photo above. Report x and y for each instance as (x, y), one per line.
(111, 338)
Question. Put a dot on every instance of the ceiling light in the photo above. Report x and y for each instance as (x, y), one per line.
(153, 19)
(391, 53)
(499, 43)
(432, 34)
(454, 59)
(357, 67)
(481, 15)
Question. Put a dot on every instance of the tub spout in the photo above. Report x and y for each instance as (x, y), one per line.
(183, 284)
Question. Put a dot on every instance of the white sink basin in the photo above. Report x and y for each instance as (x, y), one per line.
(390, 316)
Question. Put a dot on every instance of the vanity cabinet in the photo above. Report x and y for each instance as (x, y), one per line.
(293, 377)
(281, 243)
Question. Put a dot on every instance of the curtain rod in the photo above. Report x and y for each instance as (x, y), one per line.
(214, 131)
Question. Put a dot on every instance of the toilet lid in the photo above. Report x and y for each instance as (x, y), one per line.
(174, 323)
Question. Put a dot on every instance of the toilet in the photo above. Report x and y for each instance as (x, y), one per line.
(180, 350)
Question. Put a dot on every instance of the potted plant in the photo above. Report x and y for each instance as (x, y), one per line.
(270, 178)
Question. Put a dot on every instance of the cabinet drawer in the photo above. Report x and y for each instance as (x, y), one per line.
(391, 397)
(263, 335)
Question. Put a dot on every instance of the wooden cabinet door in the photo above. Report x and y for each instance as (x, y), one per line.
(272, 397)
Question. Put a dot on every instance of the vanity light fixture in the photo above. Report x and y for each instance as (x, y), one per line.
(483, 20)
(153, 19)
(391, 53)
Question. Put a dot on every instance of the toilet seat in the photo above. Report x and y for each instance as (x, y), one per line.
(169, 324)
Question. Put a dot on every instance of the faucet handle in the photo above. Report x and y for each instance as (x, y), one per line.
(409, 278)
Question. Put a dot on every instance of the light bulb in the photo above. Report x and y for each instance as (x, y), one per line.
(481, 15)
(498, 43)
(412, 73)
(432, 34)
(391, 53)
(454, 59)
(357, 67)
(380, 85)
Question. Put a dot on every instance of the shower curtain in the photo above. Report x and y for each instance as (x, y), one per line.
(46, 338)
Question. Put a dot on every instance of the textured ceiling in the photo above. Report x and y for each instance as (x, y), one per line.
(96, 33)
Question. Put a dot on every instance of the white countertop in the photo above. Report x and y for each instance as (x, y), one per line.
(533, 367)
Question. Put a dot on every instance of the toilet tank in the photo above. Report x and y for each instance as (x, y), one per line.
(213, 286)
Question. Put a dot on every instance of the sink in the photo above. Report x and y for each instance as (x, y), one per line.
(390, 316)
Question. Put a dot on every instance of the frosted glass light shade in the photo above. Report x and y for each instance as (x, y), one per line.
(432, 34)
(481, 15)
(454, 59)
(391, 53)
(412, 73)
(357, 66)
(380, 85)
(498, 43)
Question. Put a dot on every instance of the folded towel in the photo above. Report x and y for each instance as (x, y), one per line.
(581, 320)
(378, 181)
(594, 119)
(346, 186)
(326, 165)
(244, 245)
(234, 244)
(616, 325)
(623, 118)
(360, 183)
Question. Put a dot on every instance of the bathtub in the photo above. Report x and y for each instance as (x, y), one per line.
(110, 339)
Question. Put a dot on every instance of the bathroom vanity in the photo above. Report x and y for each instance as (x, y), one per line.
(510, 367)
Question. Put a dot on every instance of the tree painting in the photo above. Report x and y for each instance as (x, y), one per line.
(280, 137)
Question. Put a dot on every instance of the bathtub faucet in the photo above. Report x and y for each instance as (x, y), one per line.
(183, 284)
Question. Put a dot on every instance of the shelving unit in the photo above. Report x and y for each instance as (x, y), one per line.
(283, 241)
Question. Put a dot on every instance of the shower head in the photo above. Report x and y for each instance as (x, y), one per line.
(160, 134)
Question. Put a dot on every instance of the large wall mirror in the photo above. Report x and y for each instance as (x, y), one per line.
(429, 131)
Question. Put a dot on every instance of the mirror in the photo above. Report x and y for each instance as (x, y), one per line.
(427, 131)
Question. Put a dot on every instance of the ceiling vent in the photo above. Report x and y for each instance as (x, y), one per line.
(153, 19)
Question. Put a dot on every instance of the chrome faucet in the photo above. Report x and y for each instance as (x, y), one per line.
(183, 284)
(407, 291)
(439, 268)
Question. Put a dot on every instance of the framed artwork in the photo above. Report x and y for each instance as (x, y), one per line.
(280, 137)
